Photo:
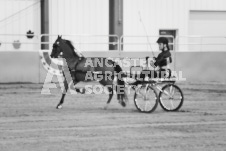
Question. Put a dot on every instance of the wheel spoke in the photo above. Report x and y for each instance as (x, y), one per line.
(146, 99)
(172, 90)
(171, 101)
(146, 106)
(171, 97)
(165, 92)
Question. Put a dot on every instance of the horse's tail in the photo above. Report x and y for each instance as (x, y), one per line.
(120, 88)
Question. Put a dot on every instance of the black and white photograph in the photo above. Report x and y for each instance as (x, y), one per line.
(112, 75)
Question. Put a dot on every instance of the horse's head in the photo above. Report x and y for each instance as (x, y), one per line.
(64, 46)
(56, 48)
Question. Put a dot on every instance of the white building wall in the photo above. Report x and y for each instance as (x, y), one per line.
(91, 17)
(67, 17)
(162, 14)
(156, 14)
(17, 17)
(81, 17)
(214, 5)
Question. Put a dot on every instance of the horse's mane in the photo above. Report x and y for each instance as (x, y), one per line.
(71, 46)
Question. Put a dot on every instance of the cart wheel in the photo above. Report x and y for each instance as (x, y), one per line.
(171, 97)
(146, 99)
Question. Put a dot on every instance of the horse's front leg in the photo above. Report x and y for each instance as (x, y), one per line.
(59, 106)
(110, 90)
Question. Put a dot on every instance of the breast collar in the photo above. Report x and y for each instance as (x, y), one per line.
(79, 60)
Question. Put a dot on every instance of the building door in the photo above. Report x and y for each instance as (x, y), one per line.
(207, 24)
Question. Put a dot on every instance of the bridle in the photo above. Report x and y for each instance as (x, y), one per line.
(57, 46)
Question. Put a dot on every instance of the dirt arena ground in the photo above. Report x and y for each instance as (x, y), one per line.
(30, 122)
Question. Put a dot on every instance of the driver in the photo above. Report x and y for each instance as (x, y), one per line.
(163, 59)
(161, 63)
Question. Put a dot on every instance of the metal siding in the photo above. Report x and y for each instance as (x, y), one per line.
(207, 5)
(163, 14)
(17, 17)
(80, 17)
(155, 15)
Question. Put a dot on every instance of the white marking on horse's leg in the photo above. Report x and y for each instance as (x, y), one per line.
(59, 107)
(126, 97)
(82, 90)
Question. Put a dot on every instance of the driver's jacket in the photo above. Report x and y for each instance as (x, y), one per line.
(161, 60)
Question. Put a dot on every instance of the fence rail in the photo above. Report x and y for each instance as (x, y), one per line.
(127, 43)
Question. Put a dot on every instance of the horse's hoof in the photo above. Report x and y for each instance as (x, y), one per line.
(59, 106)
(82, 90)
(123, 104)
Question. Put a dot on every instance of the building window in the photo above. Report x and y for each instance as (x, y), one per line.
(171, 39)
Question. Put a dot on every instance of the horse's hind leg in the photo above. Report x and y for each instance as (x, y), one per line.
(120, 97)
(59, 105)
(110, 90)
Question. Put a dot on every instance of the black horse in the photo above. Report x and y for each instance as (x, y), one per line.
(84, 71)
